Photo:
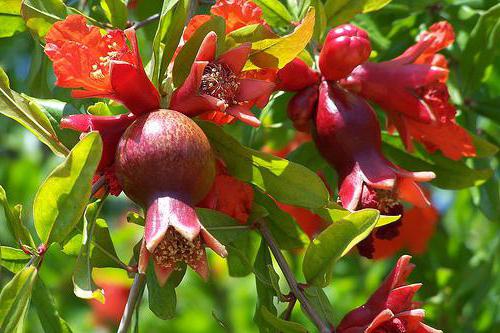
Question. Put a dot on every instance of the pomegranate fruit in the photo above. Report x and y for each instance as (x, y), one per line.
(165, 163)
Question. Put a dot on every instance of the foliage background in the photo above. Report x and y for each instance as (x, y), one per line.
(460, 271)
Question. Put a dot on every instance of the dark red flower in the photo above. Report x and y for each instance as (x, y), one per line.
(391, 308)
(229, 196)
(100, 65)
(216, 88)
(412, 90)
(296, 76)
(345, 47)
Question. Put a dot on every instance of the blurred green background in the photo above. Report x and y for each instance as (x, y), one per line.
(460, 270)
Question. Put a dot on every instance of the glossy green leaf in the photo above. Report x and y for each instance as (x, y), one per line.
(282, 325)
(15, 298)
(46, 308)
(221, 226)
(277, 52)
(450, 174)
(39, 15)
(187, 54)
(13, 259)
(481, 49)
(341, 11)
(11, 21)
(275, 13)
(319, 301)
(28, 114)
(14, 221)
(285, 181)
(167, 37)
(334, 242)
(116, 12)
(61, 199)
(282, 226)
(163, 300)
(250, 33)
(83, 283)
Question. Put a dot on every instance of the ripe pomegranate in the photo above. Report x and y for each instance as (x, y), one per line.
(165, 163)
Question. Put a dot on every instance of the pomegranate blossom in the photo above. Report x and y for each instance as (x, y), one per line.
(164, 163)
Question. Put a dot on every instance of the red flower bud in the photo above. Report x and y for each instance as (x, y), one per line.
(346, 47)
(301, 106)
(295, 76)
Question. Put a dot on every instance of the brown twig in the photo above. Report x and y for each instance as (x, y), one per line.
(290, 278)
(146, 21)
(133, 299)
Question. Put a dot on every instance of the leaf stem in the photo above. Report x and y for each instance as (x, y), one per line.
(290, 278)
(101, 181)
(133, 298)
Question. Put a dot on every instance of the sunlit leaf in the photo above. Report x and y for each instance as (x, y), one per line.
(61, 199)
(13, 259)
(275, 13)
(11, 21)
(341, 11)
(39, 15)
(116, 12)
(334, 242)
(277, 52)
(15, 299)
(28, 114)
(285, 181)
(14, 221)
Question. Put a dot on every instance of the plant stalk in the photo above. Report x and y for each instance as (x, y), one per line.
(133, 299)
(290, 278)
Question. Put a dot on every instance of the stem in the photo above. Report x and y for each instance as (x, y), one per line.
(146, 21)
(98, 185)
(290, 278)
(112, 257)
(133, 298)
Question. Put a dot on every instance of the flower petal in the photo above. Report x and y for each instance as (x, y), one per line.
(208, 48)
(236, 58)
(252, 89)
(243, 113)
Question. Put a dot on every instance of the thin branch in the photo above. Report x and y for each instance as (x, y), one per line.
(133, 299)
(101, 182)
(146, 21)
(112, 257)
(290, 278)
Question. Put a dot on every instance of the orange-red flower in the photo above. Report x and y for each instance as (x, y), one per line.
(391, 308)
(417, 227)
(229, 196)
(217, 89)
(100, 65)
(412, 90)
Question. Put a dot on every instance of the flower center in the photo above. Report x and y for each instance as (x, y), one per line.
(219, 81)
(175, 248)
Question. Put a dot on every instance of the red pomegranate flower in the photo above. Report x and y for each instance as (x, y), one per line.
(217, 89)
(229, 196)
(345, 47)
(390, 308)
(412, 90)
(418, 224)
(100, 65)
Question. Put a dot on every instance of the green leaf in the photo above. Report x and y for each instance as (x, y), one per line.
(102, 248)
(250, 33)
(187, 54)
(61, 199)
(28, 114)
(484, 148)
(285, 181)
(334, 242)
(13, 259)
(14, 221)
(282, 226)
(163, 300)
(46, 308)
(282, 325)
(321, 20)
(116, 12)
(277, 52)
(172, 17)
(319, 301)
(11, 21)
(481, 49)
(240, 256)
(450, 174)
(275, 13)
(341, 11)
(15, 299)
(221, 226)
(39, 15)
(84, 285)
(264, 286)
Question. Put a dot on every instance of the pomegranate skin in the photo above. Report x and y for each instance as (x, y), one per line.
(165, 154)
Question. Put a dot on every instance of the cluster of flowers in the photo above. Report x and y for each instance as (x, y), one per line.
(330, 102)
